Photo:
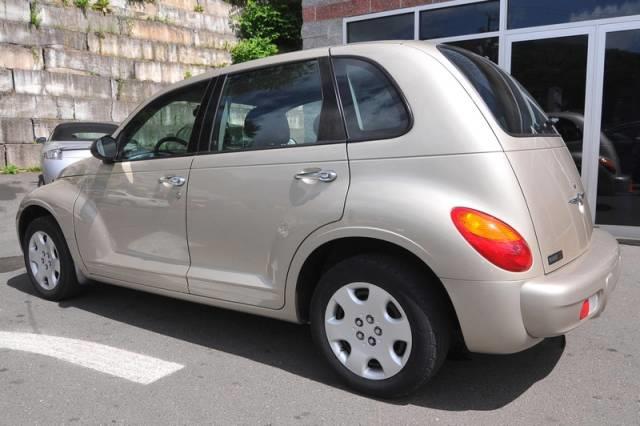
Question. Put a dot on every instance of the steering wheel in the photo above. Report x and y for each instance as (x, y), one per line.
(164, 140)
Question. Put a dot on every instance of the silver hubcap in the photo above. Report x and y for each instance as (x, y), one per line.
(44, 260)
(368, 331)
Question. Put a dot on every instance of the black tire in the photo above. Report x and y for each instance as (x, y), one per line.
(425, 308)
(68, 282)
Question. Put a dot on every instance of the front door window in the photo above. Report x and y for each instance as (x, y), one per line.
(163, 128)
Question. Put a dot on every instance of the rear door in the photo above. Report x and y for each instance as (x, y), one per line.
(275, 169)
(555, 196)
(540, 160)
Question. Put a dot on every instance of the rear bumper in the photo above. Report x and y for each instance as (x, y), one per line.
(551, 304)
(507, 317)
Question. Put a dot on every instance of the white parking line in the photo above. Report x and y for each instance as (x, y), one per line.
(106, 359)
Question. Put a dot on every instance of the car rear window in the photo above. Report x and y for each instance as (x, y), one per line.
(82, 131)
(512, 106)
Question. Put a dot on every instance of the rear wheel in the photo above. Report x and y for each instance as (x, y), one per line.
(381, 324)
(48, 261)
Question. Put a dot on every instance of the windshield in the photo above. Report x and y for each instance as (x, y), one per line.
(512, 106)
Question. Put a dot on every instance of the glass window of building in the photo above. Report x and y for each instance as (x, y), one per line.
(618, 200)
(531, 13)
(396, 27)
(460, 20)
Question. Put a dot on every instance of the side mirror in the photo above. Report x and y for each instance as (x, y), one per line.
(105, 149)
(41, 140)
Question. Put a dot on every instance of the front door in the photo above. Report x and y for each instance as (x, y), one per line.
(275, 171)
(131, 214)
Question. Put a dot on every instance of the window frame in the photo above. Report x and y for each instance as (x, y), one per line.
(394, 84)
(196, 133)
(329, 92)
(416, 10)
(370, 18)
(455, 5)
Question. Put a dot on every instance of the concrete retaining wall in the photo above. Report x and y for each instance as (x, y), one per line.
(85, 65)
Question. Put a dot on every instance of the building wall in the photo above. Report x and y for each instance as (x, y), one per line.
(94, 66)
(322, 24)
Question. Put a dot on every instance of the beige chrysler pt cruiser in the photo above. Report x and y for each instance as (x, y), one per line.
(405, 199)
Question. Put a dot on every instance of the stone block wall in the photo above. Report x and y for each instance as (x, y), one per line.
(322, 19)
(86, 65)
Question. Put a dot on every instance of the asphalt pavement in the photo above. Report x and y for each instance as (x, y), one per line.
(135, 358)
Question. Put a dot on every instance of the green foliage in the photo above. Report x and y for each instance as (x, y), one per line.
(253, 48)
(34, 14)
(187, 74)
(10, 169)
(65, 2)
(278, 21)
(82, 4)
(266, 28)
(102, 6)
(198, 8)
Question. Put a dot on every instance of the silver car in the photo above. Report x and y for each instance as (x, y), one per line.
(68, 143)
(405, 199)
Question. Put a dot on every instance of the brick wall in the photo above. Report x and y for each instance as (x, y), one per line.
(92, 66)
(323, 18)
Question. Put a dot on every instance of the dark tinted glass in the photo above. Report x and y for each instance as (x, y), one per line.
(397, 27)
(485, 47)
(460, 20)
(530, 13)
(619, 162)
(280, 106)
(82, 131)
(373, 108)
(514, 108)
(554, 71)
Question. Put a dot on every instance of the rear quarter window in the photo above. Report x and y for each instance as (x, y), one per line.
(373, 106)
(511, 105)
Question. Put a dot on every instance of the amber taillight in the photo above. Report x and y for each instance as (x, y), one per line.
(496, 241)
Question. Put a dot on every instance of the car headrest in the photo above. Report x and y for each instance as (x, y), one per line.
(316, 126)
(267, 128)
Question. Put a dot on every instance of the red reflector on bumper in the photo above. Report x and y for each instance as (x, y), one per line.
(584, 312)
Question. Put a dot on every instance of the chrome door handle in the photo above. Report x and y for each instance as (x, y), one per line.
(172, 180)
(316, 174)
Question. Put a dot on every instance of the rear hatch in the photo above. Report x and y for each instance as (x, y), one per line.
(540, 160)
(553, 190)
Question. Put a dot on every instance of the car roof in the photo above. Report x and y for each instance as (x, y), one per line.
(297, 56)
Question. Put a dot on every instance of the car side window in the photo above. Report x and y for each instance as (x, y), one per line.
(163, 128)
(373, 107)
(275, 107)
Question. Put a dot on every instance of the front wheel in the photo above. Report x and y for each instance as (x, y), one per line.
(381, 324)
(48, 260)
